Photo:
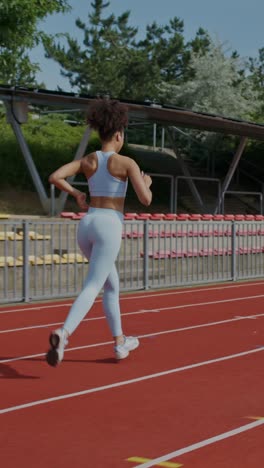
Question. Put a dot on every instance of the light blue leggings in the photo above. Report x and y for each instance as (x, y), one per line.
(99, 238)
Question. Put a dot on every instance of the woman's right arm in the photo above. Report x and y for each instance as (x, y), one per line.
(140, 182)
(58, 178)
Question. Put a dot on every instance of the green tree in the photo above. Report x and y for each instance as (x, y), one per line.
(96, 68)
(19, 32)
(112, 60)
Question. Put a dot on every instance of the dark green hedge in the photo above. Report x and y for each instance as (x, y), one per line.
(52, 142)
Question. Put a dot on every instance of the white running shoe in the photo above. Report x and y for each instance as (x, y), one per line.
(122, 350)
(58, 341)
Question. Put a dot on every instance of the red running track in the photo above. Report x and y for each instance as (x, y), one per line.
(191, 395)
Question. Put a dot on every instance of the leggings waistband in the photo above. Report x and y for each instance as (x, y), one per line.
(106, 211)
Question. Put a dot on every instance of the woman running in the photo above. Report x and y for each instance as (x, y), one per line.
(100, 230)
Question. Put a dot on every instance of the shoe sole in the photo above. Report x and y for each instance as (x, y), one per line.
(52, 356)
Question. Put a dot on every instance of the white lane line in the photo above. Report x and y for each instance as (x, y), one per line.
(143, 311)
(165, 332)
(138, 296)
(128, 382)
(202, 443)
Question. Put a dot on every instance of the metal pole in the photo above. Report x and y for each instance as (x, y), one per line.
(52, 200)
(233, 267)
(187, 174)
(219, 197)
(171, 194)
(233, 167)
(176, 195)
(25, 261)
(154, 136)
(146, 259)
(78, 155)
(162, 138)
(28, 158)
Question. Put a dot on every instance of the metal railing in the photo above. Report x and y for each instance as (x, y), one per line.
(41, 259)
(236, 193)
(205, 179)
(53, 208)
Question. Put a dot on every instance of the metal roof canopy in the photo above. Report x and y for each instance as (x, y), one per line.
(168, 116)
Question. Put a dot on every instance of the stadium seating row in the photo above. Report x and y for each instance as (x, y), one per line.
(193, 233)
(161, 254)
(47, 259)
(173, 216)
(32, 235)
(72, 258)
(134, 234)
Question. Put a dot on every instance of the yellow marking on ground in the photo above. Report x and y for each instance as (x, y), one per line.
(163, 464)
(256, 418)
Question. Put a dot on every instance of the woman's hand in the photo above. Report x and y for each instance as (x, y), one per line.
(81, 200)
(147, 179)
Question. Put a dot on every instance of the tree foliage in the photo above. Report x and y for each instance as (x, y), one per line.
(19, 32)
(112, 61)
(217, 85)
(256, 67)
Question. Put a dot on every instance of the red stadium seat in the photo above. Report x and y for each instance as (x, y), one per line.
(171, 216)
(67, 214)
(164, 234)
(157, 216)
(135, 235)
(206, 252)
(153, 233)
(195, 217)
(256, 249)
(179, 233)
(193, 233)
(130, 216)
(191, 253)
(183, 217)
(218, 233)
(206, 233)
(143, 216)
(177, 253)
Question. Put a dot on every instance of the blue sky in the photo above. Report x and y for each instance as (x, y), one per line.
(239, 23)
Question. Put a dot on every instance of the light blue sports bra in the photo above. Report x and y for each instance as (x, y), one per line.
(102, 183)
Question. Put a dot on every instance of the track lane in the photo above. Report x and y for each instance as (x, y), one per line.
(57, 310)
(145, 419)
(89, 421)
(95, 366)
(35, 341)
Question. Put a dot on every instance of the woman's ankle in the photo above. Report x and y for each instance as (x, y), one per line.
(119, 340)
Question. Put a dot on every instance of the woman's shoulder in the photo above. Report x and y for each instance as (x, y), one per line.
(89, 162)
(126, 159)
(89, 158)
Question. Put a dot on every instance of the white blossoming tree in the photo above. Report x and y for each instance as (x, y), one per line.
(218, 85)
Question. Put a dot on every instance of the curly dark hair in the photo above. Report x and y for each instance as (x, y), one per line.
(107, 117)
